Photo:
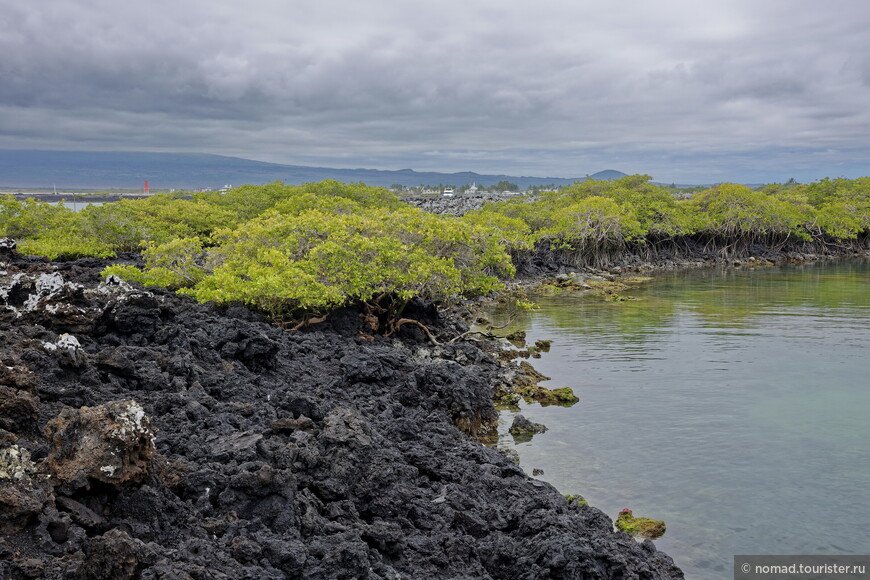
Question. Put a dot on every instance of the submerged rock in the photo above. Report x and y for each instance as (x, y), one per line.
(543, 345)
(563, 396)
(523, 430)
(510, 453)
(517, 338)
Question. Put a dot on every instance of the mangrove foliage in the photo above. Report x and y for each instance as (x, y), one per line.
(295, 252)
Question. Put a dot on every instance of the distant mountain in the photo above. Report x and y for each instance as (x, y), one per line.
(128, 170)
(608, 175)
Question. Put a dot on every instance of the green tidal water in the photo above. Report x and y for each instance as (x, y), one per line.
(733, 404)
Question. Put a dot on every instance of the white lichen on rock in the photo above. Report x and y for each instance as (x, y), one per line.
(132, 421)
(68, 348)
(46, 286)
(16, 465)
(68, 342)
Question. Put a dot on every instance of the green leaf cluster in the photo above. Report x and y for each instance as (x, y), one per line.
(249, 201)
(56, 231)
(317, 247)
(593, 213)
(601, 215)
(736, 211)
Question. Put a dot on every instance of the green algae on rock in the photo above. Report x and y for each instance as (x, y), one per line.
(576, 499)
(563, 396)
(543, 345)
(647, 528)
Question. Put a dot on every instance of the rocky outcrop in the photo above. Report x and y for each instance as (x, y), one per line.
(177, 440)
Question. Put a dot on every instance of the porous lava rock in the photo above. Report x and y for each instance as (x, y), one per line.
(112, 443)
(322, 453)
(523, 430)
(23, 491)
(19, 410)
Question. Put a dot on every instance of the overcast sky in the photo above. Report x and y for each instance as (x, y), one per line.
(684, 90)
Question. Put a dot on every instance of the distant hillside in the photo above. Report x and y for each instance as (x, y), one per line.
(607, 175)
(102, 170)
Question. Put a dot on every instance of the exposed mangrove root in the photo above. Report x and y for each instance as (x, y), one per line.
(698, 247)
(305, 323)
(403, 321)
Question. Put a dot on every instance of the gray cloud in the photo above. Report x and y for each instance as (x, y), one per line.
(680, 89)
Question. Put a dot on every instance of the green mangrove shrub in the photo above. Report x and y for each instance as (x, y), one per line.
(308, 263)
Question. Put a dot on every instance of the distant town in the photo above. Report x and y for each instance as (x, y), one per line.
(506, 188)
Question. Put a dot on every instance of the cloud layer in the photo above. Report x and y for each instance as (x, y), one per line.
(682, 90)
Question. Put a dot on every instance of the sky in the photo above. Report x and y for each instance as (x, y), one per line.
(754, 91)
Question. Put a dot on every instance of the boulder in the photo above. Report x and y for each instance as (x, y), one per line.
(522, 427)
(523, 430)
(68, 350)
(112, 443)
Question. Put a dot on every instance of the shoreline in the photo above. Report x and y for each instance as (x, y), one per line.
(679, 319)
(257, 452)
(369, 423)
(532, 275)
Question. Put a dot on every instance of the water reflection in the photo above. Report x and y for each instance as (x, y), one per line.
(733, 404)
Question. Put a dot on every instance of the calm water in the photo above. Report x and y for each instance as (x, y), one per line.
(76, 205)
(732, 404)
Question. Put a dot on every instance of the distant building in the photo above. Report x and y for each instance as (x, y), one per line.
(473, 188)
(448, 192)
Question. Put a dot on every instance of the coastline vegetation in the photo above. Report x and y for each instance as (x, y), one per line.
(301, 251)
(595, 223)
